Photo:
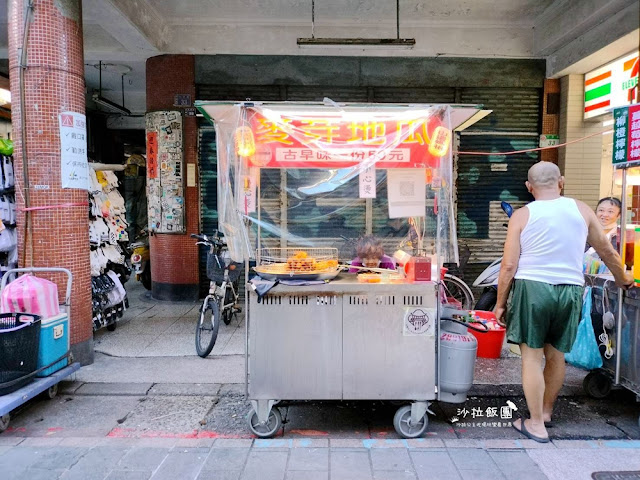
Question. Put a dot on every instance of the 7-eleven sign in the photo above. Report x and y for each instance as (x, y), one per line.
(613, 85)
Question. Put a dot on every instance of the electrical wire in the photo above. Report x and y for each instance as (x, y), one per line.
(514, 152)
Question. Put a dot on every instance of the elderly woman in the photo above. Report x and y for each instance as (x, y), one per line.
(608, 213)
(371, 254)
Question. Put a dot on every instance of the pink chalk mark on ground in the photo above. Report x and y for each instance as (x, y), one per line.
(15, 430)
(309, 433)
(195, 434)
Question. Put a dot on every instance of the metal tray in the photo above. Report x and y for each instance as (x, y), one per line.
(264, 273)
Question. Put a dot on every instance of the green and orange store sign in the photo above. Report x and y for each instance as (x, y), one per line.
(610, 86)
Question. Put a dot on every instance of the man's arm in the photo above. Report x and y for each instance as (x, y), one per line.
(510, 259)
(597, 239)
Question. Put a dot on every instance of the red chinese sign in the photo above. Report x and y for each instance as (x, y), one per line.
(152, 154)
(336, 142)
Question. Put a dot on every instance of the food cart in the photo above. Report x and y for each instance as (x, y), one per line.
(297, 183)
(615, 312)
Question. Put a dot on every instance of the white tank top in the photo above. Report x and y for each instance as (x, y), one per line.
(552, 243)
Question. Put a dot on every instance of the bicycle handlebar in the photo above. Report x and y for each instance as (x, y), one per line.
(215, 240)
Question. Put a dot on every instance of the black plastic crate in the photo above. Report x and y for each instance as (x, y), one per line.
(19, 344)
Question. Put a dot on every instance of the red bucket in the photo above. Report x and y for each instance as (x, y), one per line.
(489, 343)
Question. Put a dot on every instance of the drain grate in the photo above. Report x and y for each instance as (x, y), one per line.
(616, 475)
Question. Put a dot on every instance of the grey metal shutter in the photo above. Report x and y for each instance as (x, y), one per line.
(239, 92)
(484, 181)
(208, 174)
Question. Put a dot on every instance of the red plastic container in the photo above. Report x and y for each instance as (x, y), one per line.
(489, 343)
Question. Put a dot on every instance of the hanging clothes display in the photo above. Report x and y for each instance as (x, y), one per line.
(107, 237)
(8, 232)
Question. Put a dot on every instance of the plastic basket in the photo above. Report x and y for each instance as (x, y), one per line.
(216, 266)
(19, 344)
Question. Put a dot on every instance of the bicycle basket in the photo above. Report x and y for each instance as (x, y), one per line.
(19, 345)
(216, 266)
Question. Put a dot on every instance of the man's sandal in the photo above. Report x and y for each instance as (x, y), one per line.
(523, 430)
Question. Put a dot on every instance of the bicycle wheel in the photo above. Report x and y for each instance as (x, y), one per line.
(455, 289)
(228, 313)
(207, 328)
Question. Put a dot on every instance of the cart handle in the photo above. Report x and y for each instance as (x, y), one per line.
(468, 324)
(67, 298)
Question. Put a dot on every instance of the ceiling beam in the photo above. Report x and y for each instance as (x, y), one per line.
(569, 31)
(134, 24)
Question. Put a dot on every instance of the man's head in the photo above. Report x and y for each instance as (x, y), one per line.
(544, 178)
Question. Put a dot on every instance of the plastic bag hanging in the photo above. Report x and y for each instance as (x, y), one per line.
(585, 352)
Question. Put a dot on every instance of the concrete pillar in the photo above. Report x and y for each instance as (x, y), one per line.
(53, 83)
(587, 171)
(174, 257)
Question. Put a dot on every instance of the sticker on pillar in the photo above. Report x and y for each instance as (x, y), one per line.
(368, 182)
(419, 321)
(73, 151)
(164, 132)
(152, 154)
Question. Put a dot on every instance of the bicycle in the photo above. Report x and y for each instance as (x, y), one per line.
(222, 299)
(455, 288)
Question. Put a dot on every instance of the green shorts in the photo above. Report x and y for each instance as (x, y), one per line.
(541, 313)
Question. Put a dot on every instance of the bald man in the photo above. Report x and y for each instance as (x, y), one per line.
(542, 269)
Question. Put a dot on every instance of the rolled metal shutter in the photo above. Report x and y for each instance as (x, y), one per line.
(484, 181)
(208, 174)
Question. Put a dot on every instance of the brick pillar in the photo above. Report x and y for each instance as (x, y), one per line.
(53, 83)
(551, 116)
(174, 258)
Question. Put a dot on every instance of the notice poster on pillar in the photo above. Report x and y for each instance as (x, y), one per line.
(165, 172)
(73, 151)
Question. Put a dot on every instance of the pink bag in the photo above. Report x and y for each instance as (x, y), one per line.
(29, 294)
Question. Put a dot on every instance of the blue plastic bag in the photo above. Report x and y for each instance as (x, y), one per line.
(585, 352)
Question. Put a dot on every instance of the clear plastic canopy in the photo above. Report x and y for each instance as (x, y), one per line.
(318, 175)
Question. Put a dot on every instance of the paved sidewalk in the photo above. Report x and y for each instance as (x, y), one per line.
(308, 459)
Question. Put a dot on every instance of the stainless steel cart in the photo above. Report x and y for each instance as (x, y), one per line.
(342, 341)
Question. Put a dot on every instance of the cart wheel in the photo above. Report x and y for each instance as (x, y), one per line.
(4, 422)
(269, 429)
(52, 392)
(112, 326)
(402, 423)
(597, 385)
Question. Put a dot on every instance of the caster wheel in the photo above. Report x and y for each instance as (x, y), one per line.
(404, 427)
(597, 385)
(52, 392)
(269, 429)
(4, 422)
(112, 326)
